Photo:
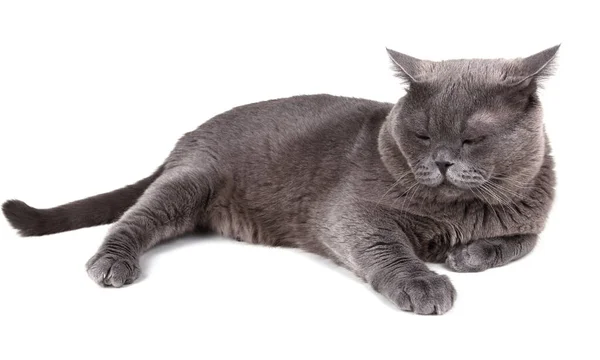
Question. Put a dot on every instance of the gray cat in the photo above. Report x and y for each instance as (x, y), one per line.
(457, 171)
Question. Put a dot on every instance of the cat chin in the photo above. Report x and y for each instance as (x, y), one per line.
(446, 189)
(450, 190)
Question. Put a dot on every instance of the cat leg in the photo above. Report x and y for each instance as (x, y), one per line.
(369, 241)
(483, 254)
(170, 207)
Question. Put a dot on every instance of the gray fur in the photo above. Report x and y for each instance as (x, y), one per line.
(457, 171)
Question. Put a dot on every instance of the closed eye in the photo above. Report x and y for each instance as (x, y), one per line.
(473, 141)
(422, 137)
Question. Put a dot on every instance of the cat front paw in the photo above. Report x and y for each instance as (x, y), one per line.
(426, 295)
(474, 257)
(112, 270)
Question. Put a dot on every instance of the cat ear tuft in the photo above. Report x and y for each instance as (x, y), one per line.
(406, 67)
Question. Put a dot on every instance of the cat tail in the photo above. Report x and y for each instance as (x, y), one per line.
(96, 210)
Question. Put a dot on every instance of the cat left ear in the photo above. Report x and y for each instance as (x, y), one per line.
(407, 67)
(534, 67)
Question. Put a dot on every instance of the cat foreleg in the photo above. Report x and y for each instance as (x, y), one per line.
(379, 251)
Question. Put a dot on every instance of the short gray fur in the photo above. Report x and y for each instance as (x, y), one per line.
(457, 171)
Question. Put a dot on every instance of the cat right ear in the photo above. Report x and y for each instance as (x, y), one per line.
(523, 78)
(535, 67)
(407, 67)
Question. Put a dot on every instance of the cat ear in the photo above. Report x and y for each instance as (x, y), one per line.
(523, 76)
(407, 67)
(535, 67)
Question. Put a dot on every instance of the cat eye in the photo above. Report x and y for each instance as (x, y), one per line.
(422, 137)
(473, 141)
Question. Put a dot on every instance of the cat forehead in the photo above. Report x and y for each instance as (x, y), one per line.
(468, 71)
(460, 83)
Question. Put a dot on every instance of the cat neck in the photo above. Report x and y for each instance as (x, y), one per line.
(390, 154)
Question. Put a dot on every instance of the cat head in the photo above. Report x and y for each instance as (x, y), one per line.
(470, 126)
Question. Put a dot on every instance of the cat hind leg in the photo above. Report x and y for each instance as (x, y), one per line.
(170, 207)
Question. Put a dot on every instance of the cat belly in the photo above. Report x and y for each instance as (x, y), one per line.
(252, 222)
(232, 221)
(261, 220)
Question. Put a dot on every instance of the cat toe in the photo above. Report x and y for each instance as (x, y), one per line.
(111, 270)
(427, 295)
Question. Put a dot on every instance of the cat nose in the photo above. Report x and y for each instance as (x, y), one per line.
(443, 166)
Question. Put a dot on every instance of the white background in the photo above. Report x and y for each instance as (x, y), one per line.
(93, 95)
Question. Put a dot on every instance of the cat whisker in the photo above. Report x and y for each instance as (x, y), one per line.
(494, 197)
(393, 186)
(413, 194)
(503, 200)
(501, 191)
(513, 182)
(406, 195)
(480, 195)
(504, 189)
